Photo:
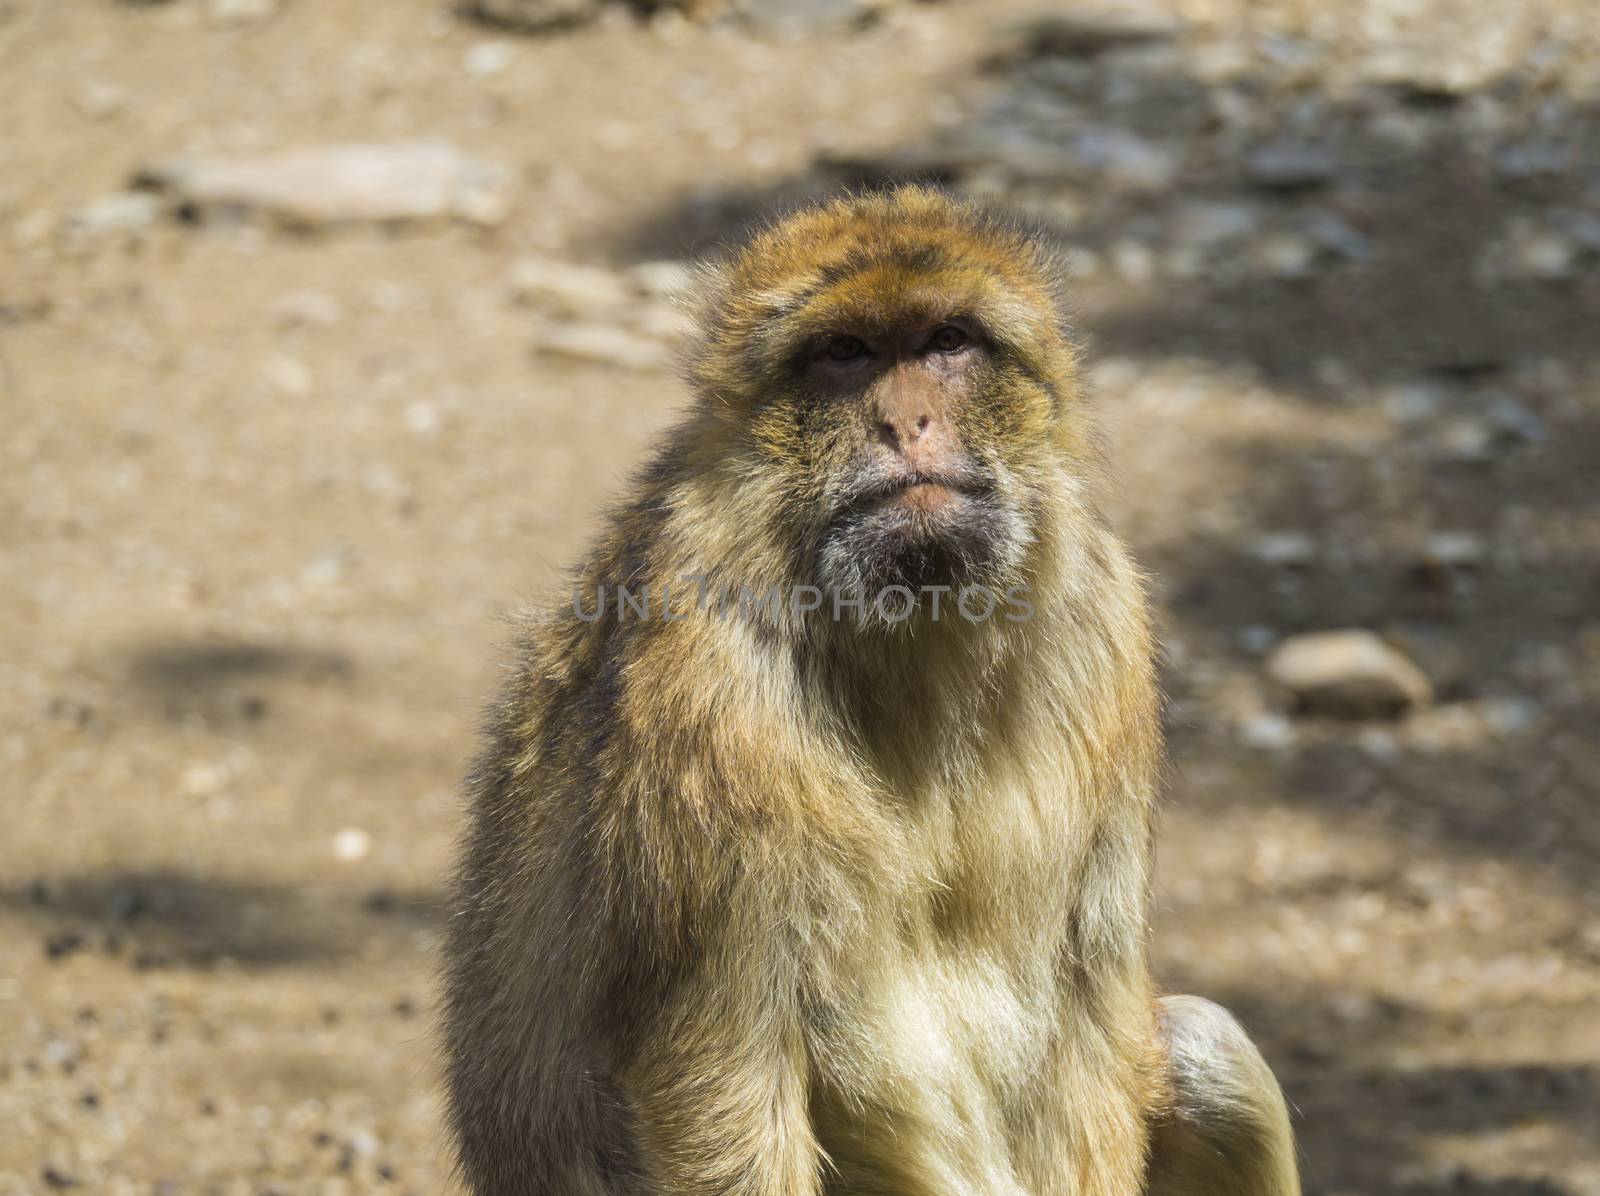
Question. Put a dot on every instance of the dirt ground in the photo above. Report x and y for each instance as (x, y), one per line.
(267, 495)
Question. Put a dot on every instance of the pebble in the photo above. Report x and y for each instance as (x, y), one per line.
(352, 845)
(123, 212)
(1515, 419)
(1468, 440)
(307, 309)
(567, 286)
(241, 12)
(1285, 256)
(1349, 673)
(1291, 165)
(1091, 31)
(1267, 732)
(1285, 549)
(487, 58)
(338, 184)
(606, 344)
(1207, 224)
(665, 279)
(533, 15)
(1125, 158)
(100, 101)
(1525, 160)
(1455, 550)
(799, 18)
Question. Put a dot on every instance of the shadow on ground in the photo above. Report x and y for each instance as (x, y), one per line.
(168, 919)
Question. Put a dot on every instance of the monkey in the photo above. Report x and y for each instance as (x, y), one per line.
(809, 854)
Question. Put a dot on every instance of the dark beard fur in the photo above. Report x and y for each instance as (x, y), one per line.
(871, 548)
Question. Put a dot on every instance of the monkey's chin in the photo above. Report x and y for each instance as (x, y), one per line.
(920, 543)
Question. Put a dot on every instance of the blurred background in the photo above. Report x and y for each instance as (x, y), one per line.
(327, 327)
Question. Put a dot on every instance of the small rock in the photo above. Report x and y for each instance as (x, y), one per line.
(567, 287)
(1125, 158)
(1257, 639)
(1285, 255)
(1525, 160)
(1516, 420)
(1468, 440)
(1338, 238)
(63, 944)
(1351, 674)
(1547, 255)
(307, 309)
(1267, 732)
(1413, 402)
(1205, 224)
(533, 15)
(1292, 550)
(799, 18)
(100, 101)
(1089, 32)
(339, 184)
(665, 279)
(1430, 70)
(241, 12)
(487, 58)
(604, 343)
(1133, 262)
(352, 845)
(58, 1179)
(422, 418)
(124, 212)
(1454, 550)
(1291, 165)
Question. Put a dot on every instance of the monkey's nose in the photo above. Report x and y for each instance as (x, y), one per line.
(902, 433)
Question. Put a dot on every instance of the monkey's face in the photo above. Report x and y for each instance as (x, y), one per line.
(895, 391)
(902, 423)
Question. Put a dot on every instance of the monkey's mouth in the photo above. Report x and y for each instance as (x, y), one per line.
(917, 529)
(924, 496)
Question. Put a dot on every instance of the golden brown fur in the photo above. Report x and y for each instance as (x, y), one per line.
(773, 904)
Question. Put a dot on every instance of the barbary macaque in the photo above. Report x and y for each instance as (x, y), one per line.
(841, 885)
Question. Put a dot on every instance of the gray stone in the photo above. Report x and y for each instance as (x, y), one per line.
(798, 18)
(241, 12)
(1515, 420)
(1288, 550)
(339, 184)
(1206, 223)
(533, 15)
(1524, 160)
(1349, 674)
(1125, 158)
(1285, 255)
(1291, 165)
(1338, 238)
(666, 279)
(605, 344)
(567, 286)
(1093, 31)
(124, 212)
(487, 58)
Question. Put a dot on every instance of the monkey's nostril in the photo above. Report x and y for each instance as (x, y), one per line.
(922, 424)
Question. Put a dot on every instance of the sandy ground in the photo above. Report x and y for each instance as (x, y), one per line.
(266, 497)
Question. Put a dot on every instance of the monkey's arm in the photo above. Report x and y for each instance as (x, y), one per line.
(717, 1082)
(1228, 1131)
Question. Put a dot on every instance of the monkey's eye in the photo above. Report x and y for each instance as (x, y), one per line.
(845, 348)
(947, 338)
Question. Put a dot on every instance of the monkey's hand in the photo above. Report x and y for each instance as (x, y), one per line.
(1227, 1133)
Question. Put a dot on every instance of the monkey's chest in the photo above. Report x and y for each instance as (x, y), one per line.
(928, 1065)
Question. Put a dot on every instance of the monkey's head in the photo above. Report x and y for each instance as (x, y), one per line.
(889, 378)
